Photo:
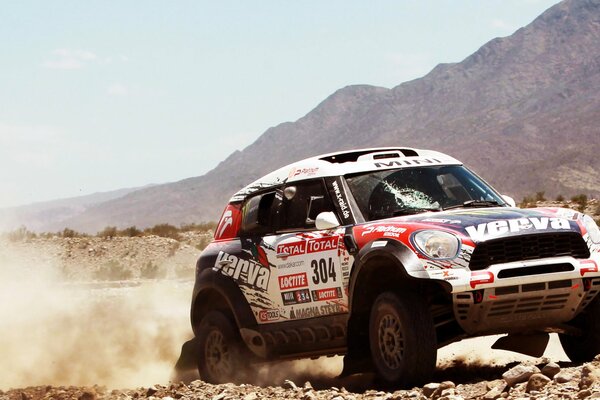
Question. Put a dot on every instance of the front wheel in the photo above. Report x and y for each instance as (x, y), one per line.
(402, 339)
(585, 347)
(220, 350)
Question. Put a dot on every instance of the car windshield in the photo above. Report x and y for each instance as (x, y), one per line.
(389, 193)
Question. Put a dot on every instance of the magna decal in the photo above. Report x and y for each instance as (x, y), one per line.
(316, 311)
(327, 294)
(496, 228)
(243, 271)
(293, 281)
(340, 199)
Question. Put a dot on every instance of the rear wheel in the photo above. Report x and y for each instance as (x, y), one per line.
(585, 347)
(220, 358)
(402, 339)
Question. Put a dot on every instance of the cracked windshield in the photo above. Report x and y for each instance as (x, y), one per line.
(384, 194)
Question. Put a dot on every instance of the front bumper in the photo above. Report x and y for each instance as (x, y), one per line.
(517, 296)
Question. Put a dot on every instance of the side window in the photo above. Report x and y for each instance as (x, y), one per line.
(258, 214)
(301, 203)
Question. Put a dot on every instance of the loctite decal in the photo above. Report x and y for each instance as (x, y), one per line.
(327, 294)
(293, 281)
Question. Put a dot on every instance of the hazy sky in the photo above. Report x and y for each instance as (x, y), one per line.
(101, 95)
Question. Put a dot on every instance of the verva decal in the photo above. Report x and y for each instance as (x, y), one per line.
(244, 272)
(498, 228)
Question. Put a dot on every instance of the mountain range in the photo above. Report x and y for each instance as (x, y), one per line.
(523, 111)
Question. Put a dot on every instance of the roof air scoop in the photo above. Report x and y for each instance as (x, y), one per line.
(381, 155)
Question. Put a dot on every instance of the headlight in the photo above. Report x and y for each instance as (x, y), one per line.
(436, 244)
(591, 228)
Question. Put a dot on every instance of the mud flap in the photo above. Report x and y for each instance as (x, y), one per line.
(533, 345)
(186, 368)
(353, 365)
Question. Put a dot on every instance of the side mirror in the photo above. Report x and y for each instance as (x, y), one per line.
(326, 220)
(509, 200)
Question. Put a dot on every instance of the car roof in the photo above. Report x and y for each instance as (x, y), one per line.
(347, 162)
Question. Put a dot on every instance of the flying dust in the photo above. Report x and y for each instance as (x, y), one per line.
(54, 332)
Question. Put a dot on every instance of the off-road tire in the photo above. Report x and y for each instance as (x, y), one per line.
(585, 347)
(402, 339)
(220, 351)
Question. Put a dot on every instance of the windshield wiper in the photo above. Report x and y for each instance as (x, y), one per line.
(474, 203)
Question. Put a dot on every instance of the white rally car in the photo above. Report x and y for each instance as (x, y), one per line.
(385, 255)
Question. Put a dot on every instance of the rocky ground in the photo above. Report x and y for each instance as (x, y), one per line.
(547, 380)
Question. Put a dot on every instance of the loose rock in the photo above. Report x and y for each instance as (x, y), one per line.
(537, 382)
(551, 369)
(520, 373)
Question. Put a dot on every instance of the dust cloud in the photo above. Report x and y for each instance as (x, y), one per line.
(54, 332)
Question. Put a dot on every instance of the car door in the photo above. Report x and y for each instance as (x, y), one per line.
(308, 262)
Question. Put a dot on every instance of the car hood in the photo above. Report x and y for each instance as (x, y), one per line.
(481, 224)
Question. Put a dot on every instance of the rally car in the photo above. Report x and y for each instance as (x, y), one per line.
(385, 255)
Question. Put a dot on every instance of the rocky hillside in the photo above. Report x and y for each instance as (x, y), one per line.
(523, 111)
(109, 259)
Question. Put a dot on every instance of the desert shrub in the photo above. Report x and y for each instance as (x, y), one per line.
(164, 230)
(70, 233)
(560, 197)
(152, 271)
(131, 231)
(20, 234)
(527, 202)
(203, 242)
(581, 200)
(539, 196)
(108, 232)
(201, 227)
(112, 271)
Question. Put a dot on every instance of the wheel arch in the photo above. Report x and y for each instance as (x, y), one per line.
(213, 291)
(378, 268)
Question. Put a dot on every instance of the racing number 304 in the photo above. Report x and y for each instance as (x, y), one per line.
(323, 269)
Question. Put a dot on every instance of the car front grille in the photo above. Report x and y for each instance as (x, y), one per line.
(528, 247)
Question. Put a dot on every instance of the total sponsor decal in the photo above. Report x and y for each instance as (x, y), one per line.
(295, 297)
(340, 199)
(293, 281)
(243, 271)
(383, 230)
(307, 247)
(268, 315)
(327, 294)
(317, 311)
(497, 228)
